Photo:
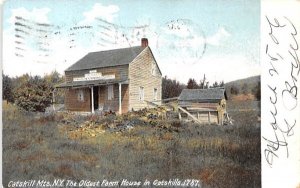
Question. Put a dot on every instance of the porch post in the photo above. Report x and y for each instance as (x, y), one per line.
(120, 100)
(92, 93)
(53, 100)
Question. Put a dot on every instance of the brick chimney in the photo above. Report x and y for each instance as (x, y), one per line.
(144, 42)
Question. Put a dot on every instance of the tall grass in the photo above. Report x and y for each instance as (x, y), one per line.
(35, 147)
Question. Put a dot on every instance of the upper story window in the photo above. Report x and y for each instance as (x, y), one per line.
(110, 92)
(141, 94)
(80, 96)
(153, 69)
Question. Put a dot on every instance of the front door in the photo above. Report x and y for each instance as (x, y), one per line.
(96, 97)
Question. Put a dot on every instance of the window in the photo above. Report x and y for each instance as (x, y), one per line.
(110, 92)
(153, 68)
(141, 94)
(80, 96)
(155, 94)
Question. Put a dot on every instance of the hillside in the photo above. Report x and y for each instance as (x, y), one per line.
(244, 89)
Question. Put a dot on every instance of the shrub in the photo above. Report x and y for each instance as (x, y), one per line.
(33, 95)
(7, 89)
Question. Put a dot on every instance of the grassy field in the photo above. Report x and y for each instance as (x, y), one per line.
(88, 147)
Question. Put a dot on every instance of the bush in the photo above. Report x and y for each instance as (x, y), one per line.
(33, 95)
(7, 89)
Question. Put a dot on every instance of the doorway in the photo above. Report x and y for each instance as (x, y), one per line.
(96, 97)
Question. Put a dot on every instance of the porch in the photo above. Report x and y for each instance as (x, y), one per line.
(96, 95)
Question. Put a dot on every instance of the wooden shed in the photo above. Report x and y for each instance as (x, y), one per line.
(204, 105)
(116, 80)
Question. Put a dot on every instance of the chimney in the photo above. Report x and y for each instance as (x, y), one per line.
(144, 42)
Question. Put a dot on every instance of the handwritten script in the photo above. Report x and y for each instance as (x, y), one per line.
(281, 52)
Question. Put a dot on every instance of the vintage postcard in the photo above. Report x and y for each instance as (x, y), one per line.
(158, 93)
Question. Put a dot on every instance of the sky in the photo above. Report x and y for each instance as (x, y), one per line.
(188, 38)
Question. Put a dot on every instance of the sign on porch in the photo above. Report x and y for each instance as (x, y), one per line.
(94, 75)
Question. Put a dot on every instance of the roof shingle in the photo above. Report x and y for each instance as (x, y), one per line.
(202, 94)
(107, 58)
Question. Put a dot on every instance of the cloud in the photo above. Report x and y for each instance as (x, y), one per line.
(216, 39)
(107, 13)
(39, 15)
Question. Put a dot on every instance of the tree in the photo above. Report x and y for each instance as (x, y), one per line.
(171, 88)
(222, 84)
(53, 79)
(234, 90)
(33, 95)
(18, 81)
(256, 91)
(203, 83)
(7, 89)
(245, 88)
(216, 84)
(192, 84)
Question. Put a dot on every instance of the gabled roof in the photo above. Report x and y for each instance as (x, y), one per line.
(107, 58)
(202, 94)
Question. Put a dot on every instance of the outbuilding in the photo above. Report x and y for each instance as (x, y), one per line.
(203, 105)
(116, 80)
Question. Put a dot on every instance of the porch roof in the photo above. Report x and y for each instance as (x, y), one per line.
(82, 84)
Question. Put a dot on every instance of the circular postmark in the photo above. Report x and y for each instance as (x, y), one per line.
(181, 40)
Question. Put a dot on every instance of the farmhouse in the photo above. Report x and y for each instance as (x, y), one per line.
(116, 80)
(204, 105)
